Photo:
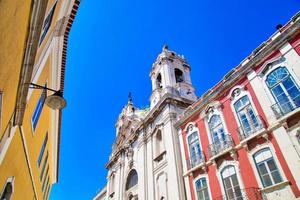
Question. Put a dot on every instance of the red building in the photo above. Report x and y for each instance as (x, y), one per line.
(241, 139)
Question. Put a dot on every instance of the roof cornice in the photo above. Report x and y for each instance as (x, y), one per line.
(265, 49)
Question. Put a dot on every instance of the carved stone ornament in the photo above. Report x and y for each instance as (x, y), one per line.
(233, 155)
(236, 93)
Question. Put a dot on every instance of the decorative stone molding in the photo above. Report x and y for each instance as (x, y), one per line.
(233, 155)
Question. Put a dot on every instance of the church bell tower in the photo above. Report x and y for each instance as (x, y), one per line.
(170, 73)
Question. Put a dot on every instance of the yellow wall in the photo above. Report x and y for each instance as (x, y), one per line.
(14, 23)
(14, 15)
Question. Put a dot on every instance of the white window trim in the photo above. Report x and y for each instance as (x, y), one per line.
(10, 130)
(252, 162)
(235, 99)
(157, 154)
(208, 185)
(236, 165)
(9, 180)
(216, 111)
(273, 65)
(190, 132)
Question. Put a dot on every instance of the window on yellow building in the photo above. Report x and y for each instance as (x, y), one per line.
(8, 189)
(47, 23)
(45, 178)
(44, 166)
(38, 109)
(42, 150)
(47, 192)
(47, 184)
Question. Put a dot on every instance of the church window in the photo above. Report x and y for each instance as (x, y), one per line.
(159, 143)
(178, 75)
(112, 185)
(132, 179)
(158, 81)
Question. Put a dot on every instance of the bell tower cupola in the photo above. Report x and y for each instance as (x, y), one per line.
(170, 73)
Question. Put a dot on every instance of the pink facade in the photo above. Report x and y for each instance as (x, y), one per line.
(241, 139)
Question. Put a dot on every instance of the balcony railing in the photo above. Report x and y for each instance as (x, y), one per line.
(245, 131)
(220, 146)
(245, 194)
(282, 108)
(195, 160)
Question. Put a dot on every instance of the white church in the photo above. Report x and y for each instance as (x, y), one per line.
(145, 162)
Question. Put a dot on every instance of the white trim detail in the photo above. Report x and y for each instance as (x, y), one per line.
(200, 176)
(252, 162)
(236, 166)
(10, 180)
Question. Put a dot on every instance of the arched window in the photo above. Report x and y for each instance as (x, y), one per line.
(267, 168)
(246, 115)
(158, 81)
(202, 189)
(231, 183)
(159, 148)
(284, 89)
(195, 150)
(178, 75)
(132, 179)
(216, 129)
(112, 184)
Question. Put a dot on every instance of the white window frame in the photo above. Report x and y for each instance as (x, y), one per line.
(269, 67)
(236, 165)
(216, 110)
(155, 143)
(253, 163)
(9, 180)
(200, 176)
(189, 132)
(234, 99)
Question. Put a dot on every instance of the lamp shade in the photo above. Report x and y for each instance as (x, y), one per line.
(56, 101)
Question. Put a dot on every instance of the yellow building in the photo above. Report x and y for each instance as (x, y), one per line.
(33, 41)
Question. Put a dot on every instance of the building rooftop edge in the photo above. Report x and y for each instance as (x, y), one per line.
(263, 49)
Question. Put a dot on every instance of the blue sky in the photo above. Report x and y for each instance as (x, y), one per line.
(111, 48)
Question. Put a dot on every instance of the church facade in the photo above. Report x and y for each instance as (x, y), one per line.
(145, 162)
(239, 140)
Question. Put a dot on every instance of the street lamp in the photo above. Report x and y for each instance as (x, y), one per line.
(54, 101)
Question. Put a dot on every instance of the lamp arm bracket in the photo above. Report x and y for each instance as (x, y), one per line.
(36, 86)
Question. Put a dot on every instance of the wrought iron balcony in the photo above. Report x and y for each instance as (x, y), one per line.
(195, 161)
(246, 131)
(245, 194)
(220, 146)
(282, 108)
